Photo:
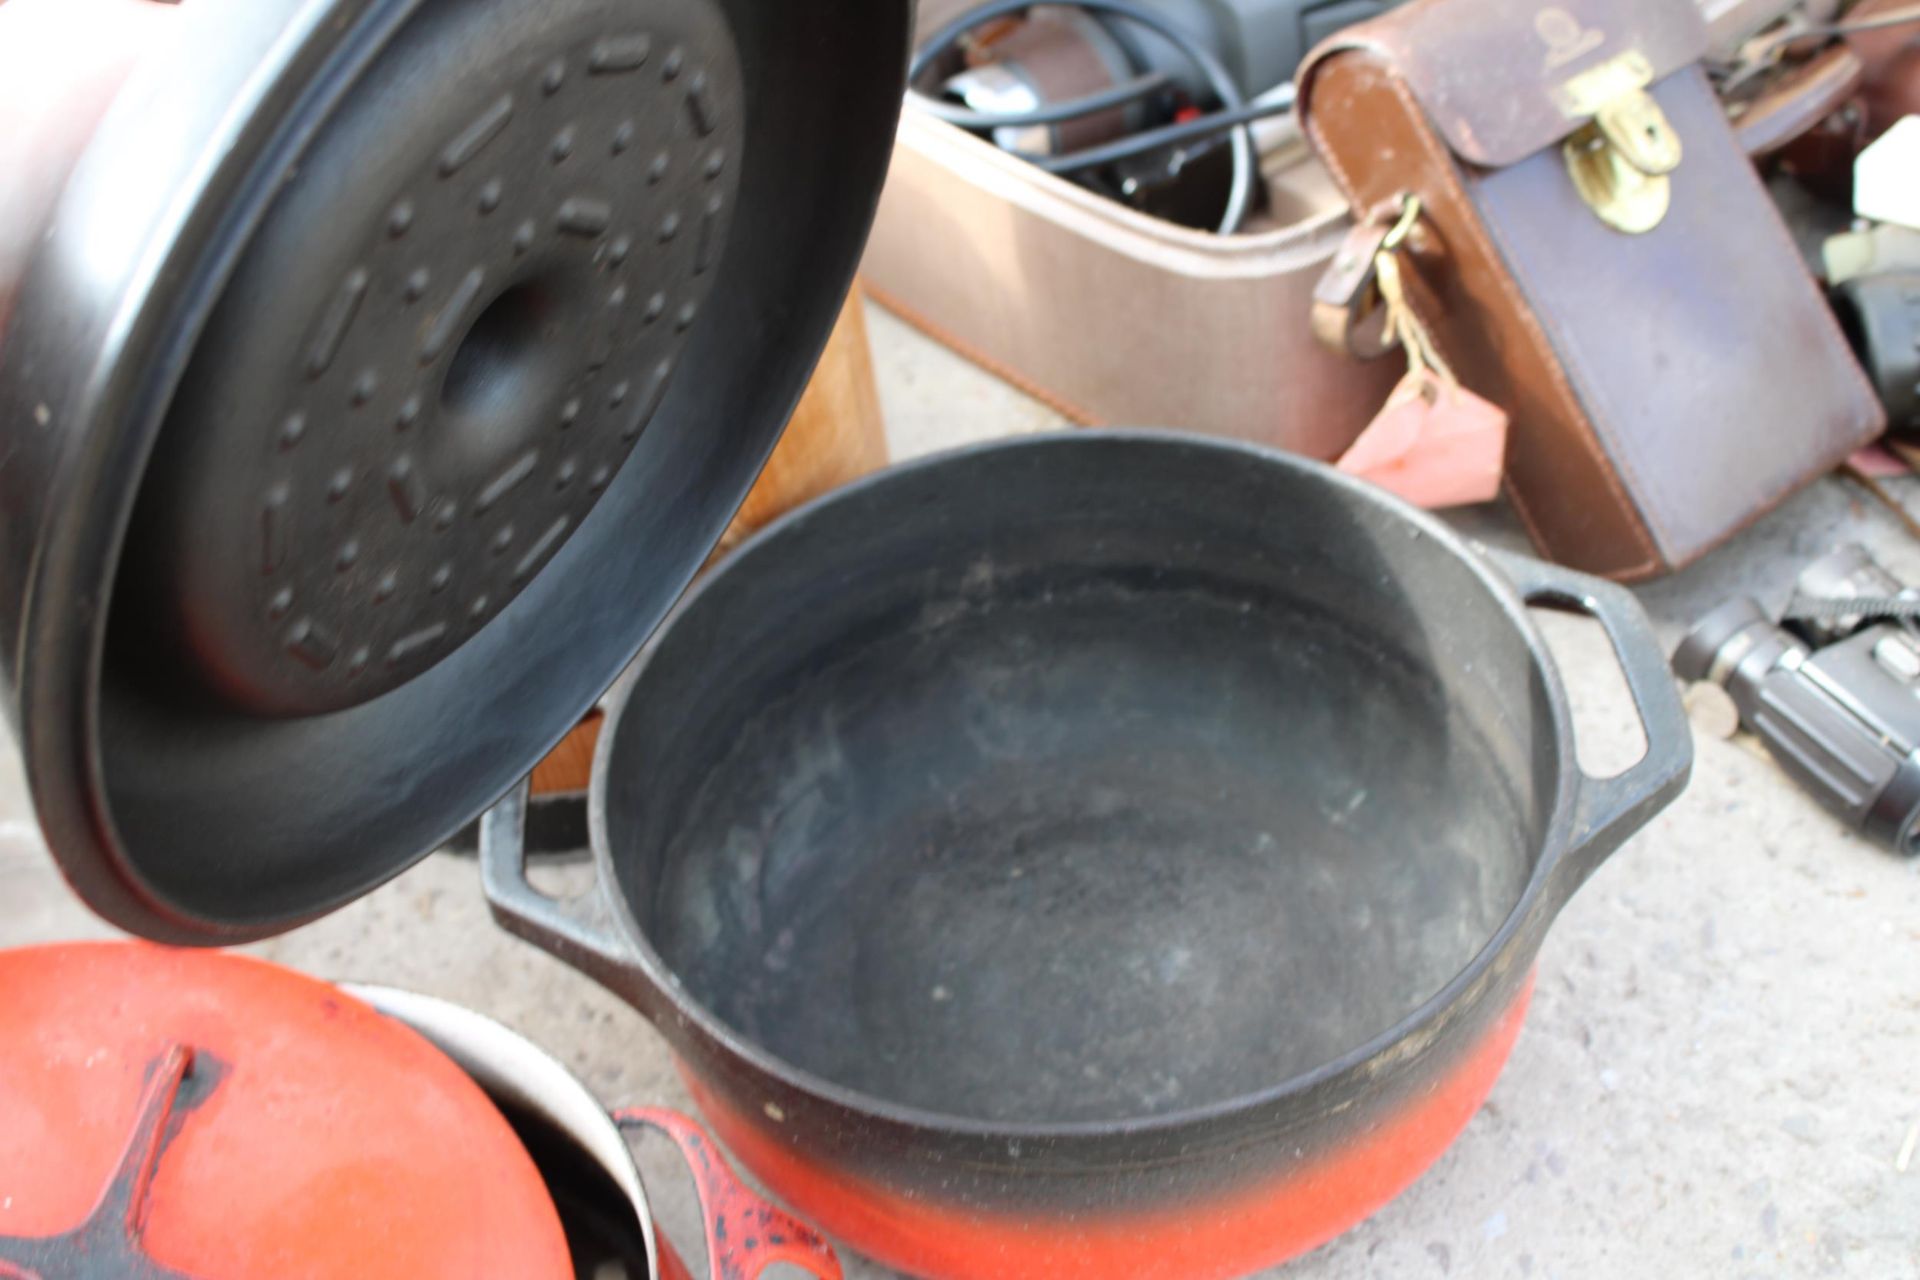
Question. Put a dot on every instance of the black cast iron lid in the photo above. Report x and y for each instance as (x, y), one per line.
(388, 368)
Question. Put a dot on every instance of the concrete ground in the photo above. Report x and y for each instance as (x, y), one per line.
(1721, 1072)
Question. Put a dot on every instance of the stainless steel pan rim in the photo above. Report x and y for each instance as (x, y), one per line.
(515, 1071)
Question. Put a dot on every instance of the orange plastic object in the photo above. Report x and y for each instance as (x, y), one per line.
(836, 434)
(568, 768)
(176, 1115)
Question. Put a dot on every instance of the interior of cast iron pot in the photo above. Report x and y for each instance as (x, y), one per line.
(1082, 779)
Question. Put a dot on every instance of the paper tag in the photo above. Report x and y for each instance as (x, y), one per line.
(1434, 443)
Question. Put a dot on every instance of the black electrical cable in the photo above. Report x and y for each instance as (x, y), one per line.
(1051, 113)
(1155, 139)
(1240, 194)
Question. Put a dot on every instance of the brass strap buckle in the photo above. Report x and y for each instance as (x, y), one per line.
(1347, 313)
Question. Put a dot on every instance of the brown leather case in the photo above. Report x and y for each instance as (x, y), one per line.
(1795, 101)
(1891, 58)
(1665, 387)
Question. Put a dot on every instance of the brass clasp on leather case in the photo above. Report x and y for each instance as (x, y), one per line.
(1620, 160)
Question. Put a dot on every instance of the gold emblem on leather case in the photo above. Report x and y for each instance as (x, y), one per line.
(1565, 38)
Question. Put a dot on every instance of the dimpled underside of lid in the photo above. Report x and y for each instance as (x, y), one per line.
(444, 340)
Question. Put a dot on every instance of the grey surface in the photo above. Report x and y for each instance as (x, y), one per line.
(1721, 1067)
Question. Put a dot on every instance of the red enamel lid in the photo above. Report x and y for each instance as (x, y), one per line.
(174, 1115)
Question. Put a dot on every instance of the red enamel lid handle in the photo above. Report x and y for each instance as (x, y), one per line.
(746, 1233)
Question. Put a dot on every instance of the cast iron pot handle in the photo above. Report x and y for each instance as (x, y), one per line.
(580, 931)
(746, 1233)
(1611, 809)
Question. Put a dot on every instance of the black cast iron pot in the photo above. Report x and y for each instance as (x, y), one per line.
(1096, 855)
(375, 374)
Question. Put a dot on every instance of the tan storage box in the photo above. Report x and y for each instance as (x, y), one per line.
(1114, 317)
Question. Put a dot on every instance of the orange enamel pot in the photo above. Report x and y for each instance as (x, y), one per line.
(1097, 854)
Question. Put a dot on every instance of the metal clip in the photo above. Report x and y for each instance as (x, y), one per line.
(1347, 316)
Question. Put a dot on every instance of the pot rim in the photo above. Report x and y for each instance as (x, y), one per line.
(519, 1069)
(1409, 1035)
